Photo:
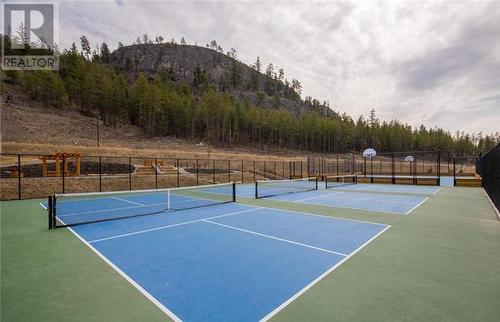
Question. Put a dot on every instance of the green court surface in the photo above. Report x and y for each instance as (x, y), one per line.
(441, 263)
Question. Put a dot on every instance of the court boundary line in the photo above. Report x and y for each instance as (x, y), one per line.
(319, 278)
(386, 192)
(275, 238)
(492, 204)
(419, 204)
(348, 198)
(43, 206)
(369, 210)
(169, 226)
(326, 216)
(132, 202)
(150, 297)
(437, 190)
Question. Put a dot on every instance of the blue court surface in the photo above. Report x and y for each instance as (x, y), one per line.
(389, 203)
(225, 262)
(392, 188)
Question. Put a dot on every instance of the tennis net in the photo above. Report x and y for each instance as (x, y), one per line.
(270, 188)
(340, 181)
(81, 208)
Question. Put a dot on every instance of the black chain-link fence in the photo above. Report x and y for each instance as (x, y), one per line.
(489, 168)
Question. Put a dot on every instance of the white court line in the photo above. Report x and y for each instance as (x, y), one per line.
(331, 217)
(132, 202)
(409, 211)
(354, 199)
(41, 204)
(129, 279)
(492, 204)
(169, 226)
(276, 238)
(437, 190)
(307, 287)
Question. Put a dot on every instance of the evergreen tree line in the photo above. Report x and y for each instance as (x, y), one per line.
(162, 107)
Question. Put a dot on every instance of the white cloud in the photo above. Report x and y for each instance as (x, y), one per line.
(419, 62)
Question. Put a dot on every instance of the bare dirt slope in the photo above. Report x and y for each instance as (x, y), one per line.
(31, 127)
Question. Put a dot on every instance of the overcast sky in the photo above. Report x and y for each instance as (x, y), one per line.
(432, 63)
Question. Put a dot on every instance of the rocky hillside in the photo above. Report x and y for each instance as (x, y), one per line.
(195, 64)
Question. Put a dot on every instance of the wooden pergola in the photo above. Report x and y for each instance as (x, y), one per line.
(58, 157)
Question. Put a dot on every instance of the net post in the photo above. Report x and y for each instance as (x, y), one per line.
(19, 176)
(49, 211)
(316, 188)
(256, 190)
(53, 212)
(234, 191)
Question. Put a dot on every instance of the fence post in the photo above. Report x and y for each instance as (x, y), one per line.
(265, 170)
(439, 168)
(197, 173)
(178, 172)
(393, 168)
(64, 174)
(100, 173)
(283, 170)
(454, 173)
(156, 173)
(274, 170)
(213, 171)
(301, 169)
(364, 167)
(353, 164)
(129, 173)
(242, 176)
(19, 176)
(254, 176)
(371, 170)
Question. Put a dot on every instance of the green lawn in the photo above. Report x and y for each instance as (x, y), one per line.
(441, 263)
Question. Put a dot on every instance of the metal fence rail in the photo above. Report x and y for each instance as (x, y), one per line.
(22, 177)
